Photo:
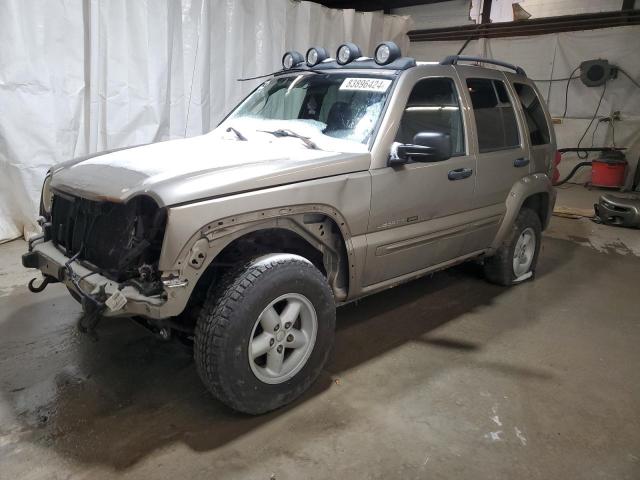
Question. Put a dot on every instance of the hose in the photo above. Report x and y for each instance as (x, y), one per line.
(572, 173)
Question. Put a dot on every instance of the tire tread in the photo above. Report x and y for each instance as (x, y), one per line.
(215, 318)
(498, 268)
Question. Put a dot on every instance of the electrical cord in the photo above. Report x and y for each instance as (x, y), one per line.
(564, 79)
(573, 77)
(584, 154)
(612, 121)
(613, 131)
(593, 135)
(624, 72)
(595, 114)
(477, 29)
(566, 90)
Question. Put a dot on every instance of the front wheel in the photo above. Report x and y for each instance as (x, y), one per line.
(517, 257)
(264, 335)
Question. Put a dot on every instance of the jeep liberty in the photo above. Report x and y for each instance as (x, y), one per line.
(334, 179)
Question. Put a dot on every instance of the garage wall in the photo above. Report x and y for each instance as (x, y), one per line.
(81, 76)
(555, 56)
(443, 14)
(465, 12)
(554, 8)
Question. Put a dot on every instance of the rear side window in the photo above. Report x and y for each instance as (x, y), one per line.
(534, 114)
(433, 107)
(493, 111)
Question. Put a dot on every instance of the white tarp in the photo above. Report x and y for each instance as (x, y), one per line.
(80, 76)
(555, 56)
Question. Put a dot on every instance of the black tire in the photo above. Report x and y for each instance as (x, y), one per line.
(226, 323)
(498, 268)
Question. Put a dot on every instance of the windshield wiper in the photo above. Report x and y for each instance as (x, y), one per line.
(281, 132)
(238, 134)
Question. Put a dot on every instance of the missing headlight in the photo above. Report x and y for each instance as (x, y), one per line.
(113, 238)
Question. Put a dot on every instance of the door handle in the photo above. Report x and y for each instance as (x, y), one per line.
(459, 173)
(521, 162)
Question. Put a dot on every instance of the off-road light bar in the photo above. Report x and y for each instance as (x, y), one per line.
(292, 59)
(316, 55)
(386, 53)
(347, 52)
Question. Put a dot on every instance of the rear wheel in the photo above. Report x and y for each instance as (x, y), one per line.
(265, 333)
(517, 257)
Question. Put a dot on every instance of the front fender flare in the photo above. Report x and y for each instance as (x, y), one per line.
(181, 278)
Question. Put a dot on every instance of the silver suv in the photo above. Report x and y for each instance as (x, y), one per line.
(334, 179)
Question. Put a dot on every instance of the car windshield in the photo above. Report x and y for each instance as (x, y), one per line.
(337, 111)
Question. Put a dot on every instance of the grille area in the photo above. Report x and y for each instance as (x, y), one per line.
(115, 238)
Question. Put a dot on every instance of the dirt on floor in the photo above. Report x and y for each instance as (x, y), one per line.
(444, 377)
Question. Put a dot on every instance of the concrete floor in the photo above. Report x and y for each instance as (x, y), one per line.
(445, 377)
(604, 238)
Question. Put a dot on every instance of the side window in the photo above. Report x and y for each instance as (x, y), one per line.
(433, 107)
(493, 111)
(534, 114)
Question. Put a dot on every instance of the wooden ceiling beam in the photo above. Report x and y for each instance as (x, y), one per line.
(538, 26)
(373, 5)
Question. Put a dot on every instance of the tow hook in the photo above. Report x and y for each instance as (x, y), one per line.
(45, 281)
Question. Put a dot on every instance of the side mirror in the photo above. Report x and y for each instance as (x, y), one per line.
(426, 147)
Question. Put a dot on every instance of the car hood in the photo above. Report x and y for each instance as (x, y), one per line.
(207, 166)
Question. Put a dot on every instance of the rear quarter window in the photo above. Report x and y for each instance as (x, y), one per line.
(534, 114)
(494, 115)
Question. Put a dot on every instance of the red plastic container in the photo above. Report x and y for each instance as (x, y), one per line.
(608, 172)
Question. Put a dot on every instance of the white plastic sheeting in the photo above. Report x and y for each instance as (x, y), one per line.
(555, 56)
(80, 76)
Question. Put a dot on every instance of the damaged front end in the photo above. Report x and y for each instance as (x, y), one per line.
(121, 241)
(106, 253)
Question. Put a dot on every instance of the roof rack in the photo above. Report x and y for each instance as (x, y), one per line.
(454, 59)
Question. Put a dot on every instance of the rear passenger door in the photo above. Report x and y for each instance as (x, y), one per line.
(502, 156)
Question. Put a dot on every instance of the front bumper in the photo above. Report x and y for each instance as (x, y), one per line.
(51, 262)
(614, 210)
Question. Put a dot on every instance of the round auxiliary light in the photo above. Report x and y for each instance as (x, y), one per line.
(316, 55)
(291, 59)
(347, 52)
(386, 53)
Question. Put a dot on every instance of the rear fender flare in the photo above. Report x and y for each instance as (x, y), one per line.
(524, 188)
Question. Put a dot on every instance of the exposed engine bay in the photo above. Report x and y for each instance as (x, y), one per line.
(120, 241)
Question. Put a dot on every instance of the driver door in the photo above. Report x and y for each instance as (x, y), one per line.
(420, 212)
